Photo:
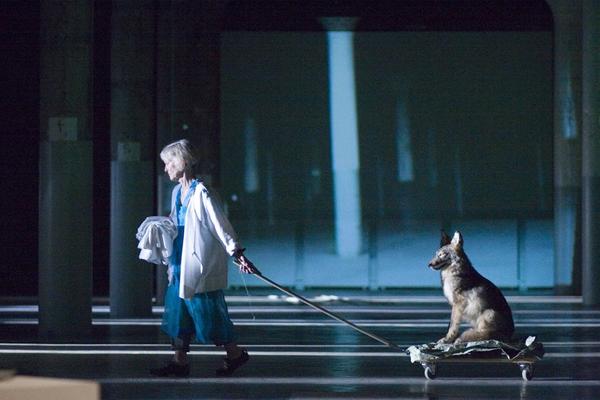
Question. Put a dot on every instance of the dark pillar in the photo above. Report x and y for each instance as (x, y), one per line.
(188, 83)
(567, 144)
(164, 121)
(65, 212)
(132, 135)
(187, 91)
(591, 153)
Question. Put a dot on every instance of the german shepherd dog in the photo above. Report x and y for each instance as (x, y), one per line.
(473, 298)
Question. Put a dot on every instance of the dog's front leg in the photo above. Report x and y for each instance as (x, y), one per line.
(454, 326)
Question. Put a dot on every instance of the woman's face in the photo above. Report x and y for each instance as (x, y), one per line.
(174, 167)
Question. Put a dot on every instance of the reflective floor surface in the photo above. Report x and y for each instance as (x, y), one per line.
(299, 353)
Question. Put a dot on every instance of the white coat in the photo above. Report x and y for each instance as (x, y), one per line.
(208, 240)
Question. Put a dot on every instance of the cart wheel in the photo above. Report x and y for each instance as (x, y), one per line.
(429, 371)
(526, 371)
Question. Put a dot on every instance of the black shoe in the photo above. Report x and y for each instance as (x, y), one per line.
(171, 368)
(231, 365)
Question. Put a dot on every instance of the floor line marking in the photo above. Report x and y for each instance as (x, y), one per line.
(370, 381)
(207, 353)
(167, 345)
(324, 323)
(557, 345)
(400, 299)
(335, 308)
(259, 353)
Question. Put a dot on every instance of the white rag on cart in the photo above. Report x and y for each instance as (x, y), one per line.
(156, 236)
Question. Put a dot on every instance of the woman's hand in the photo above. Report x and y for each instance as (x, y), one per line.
(246, 266)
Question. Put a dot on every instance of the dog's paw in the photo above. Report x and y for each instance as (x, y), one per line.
(458, 341)
(443, 341)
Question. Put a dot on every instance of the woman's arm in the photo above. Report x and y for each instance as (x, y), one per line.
(218, 222)
(224, 231)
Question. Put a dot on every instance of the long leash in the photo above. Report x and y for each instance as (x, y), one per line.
(263, 278)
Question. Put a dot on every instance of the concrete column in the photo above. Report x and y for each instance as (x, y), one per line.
(188, 78)
(132, 171)
(567, 143)
(344, 136)
(405, 168)
(164, 122)
(270, 190)
(187, 85)
(251, 172)
(591, 153)
(65, 202)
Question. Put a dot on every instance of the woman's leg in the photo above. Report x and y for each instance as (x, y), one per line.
(178, 325)
(181, 345)
(233, 350)
(179, 366)
(212, 324)
(236, 357)
(180, 357)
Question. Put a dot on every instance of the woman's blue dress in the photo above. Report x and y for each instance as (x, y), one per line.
(205, 314)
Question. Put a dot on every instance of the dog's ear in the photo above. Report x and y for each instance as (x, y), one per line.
(445, 239)
(457, 240)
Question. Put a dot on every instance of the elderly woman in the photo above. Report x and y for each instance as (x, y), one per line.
(194, 300)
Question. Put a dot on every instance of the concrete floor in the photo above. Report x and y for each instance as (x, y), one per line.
(299, 353)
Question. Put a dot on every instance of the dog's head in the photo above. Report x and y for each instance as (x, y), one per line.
(448, 253)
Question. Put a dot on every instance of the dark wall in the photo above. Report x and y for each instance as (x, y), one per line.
(290, 101)
(19, 133)
(479, 107)
(280, 81)
(19, 145)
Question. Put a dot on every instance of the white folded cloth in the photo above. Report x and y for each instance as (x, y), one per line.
(156, 235)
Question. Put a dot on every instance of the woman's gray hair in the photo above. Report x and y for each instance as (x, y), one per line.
(181, 150)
